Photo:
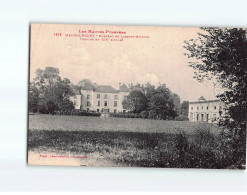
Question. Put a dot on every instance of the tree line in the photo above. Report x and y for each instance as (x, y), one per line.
(49, 93)
(221, 54)
(155, 102)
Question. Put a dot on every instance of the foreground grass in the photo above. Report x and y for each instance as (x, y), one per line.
(201, 149)
(86, 123)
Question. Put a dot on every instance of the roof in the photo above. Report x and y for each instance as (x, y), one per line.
(201, 98)
(105, 89)
(124, 88)
(76, 92)
(204, 101)
(87, 87)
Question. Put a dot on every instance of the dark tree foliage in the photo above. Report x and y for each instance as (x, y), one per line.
(33, 98)
(221, 54)
(136, 101)
(152, 102)
(184, 108)
(49, 93)
(162, 107)
(85, 83)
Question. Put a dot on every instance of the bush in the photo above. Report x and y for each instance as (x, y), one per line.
(206, 150)
(181, 118)
(144, 114)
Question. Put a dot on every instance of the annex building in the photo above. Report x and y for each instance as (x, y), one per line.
(101, 98)
(204, 110)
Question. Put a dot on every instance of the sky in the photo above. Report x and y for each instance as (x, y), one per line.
(157, 59)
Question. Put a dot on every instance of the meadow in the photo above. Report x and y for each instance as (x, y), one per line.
(131, 142)
(87, 123)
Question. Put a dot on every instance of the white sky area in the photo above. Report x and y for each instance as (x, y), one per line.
(159, 59)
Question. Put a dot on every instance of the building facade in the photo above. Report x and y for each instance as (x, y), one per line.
(101, 98)
(205, 110)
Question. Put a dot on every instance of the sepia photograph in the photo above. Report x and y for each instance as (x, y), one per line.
(137, 96)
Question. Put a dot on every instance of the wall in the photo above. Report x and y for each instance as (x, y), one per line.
(209, 109)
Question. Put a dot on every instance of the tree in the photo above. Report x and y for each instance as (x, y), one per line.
(155, 103)
(161, 103)
(136, 101)
(184, 108)
(53, 92)
(87, 83)
(33, 98)
(221, 53)
(162, 107)
(176, 101)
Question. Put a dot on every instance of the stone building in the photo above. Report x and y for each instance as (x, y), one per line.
(101, 98)
(204, 110)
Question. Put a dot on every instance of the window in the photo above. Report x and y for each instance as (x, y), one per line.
(191, 108)
(88, 96)
(105, 103)
(115, 110)
(88, 104)
(202, 107)
(115, 103)
(105, 96)
(215, 107)
(197, 108)
(98, 103)
(207, 107)
(191, 115)
(116, 97)
(98, 96)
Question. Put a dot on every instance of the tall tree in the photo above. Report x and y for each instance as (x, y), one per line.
(176, 101)
(86, 83)
(136, 101)
(221, 53)
(54, 93)
(161, 103)
(33, 102)
(184, 108)
(162, 107)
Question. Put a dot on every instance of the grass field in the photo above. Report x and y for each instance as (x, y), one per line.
(82, 123)
(128, 142)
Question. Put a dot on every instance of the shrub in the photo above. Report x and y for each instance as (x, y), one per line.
(144, 114)
(181, 118)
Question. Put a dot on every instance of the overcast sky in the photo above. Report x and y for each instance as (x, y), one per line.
(158, 59)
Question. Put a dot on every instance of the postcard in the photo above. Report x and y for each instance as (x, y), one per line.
(137, 96)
